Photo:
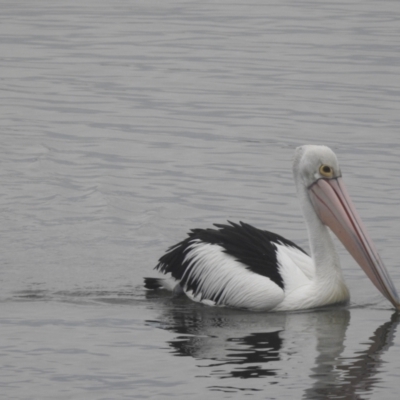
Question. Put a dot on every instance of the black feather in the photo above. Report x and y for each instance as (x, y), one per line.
(255, 248)
(152, 283)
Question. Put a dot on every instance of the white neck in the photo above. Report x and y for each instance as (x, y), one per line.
(323, 251)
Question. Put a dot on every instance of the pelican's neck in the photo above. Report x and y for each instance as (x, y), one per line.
(323, 251)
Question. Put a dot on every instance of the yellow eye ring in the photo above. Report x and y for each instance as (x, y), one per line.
(326, 171)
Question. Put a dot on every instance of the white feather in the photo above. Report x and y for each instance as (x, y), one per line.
(216, 271)
(296, 268)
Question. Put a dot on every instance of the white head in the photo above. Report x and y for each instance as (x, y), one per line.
(312, 162)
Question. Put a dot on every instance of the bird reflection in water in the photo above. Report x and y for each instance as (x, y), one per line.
(271, 346)
(248, 355)
(237, 342)
(352, 375)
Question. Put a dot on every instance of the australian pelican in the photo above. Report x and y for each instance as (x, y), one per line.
(237, 265)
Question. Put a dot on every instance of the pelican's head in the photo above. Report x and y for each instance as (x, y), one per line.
(318, 177)
(315, 162)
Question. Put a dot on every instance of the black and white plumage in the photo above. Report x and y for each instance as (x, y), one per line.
(237, 265)
(242, 253)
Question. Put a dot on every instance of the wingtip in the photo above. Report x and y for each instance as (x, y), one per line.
(153, 283)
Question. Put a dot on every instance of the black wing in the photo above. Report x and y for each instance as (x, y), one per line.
(255, 248)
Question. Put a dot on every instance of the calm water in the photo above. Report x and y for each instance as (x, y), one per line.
(123, 125)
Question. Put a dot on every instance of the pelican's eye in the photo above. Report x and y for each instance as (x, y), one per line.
(326, 171)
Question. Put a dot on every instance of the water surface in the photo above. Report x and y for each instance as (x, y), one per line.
(126, 124)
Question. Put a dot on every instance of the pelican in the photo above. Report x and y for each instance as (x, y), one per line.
(239, 266)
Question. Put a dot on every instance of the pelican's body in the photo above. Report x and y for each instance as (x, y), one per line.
(244, 267)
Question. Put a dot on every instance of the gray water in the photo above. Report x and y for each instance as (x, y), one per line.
(123, 125)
